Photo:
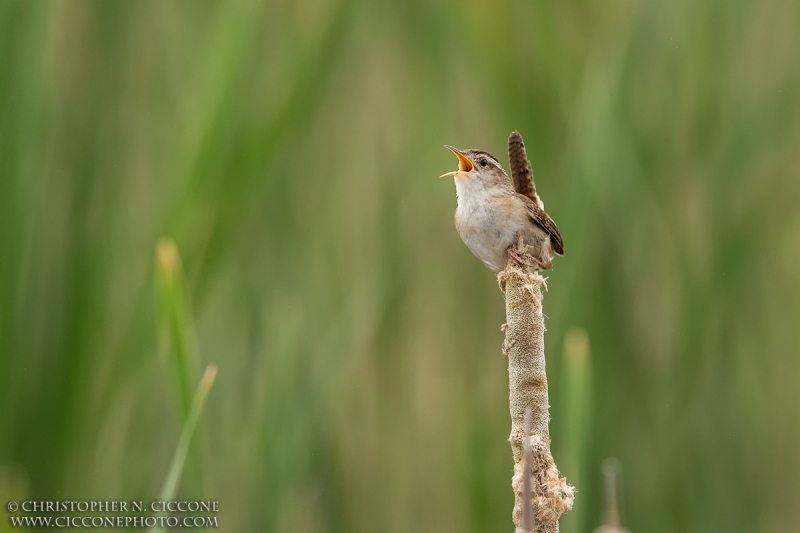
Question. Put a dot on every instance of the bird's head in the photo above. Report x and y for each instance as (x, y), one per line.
(477, 165)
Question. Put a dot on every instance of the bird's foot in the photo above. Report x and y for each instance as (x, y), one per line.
(526, 256)
(521, 256)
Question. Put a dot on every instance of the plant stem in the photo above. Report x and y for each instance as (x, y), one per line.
(524, 346)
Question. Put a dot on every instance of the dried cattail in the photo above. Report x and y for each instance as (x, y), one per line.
(524, 346)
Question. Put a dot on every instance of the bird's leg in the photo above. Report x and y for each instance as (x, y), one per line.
(516, 256)
(528, 256)
(531, 256)
(519, 253)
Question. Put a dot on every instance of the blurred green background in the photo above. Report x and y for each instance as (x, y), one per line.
(290, 150)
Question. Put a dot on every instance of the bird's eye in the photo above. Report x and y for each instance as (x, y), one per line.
(484, 162)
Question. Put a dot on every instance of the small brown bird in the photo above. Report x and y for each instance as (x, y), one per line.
(493, 216)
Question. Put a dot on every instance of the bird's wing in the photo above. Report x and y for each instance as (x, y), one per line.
(521, 170)
(538, 215)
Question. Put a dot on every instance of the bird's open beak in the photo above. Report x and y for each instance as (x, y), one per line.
(464, 164)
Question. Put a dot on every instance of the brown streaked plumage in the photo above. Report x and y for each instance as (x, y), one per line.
(493, 216)
(543, 219)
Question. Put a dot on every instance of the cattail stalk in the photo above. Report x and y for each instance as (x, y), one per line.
(527, 471)
(524, 346)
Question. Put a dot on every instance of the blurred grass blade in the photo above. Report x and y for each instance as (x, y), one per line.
(576, 400)
(612, 497)
(176, 328)
(178, 347)
(182, 450)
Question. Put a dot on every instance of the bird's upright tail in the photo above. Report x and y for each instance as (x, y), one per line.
(521, 170)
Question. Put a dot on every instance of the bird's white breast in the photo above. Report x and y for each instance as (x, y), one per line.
(486, 220)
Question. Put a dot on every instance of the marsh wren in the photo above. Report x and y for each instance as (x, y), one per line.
(496, 215)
